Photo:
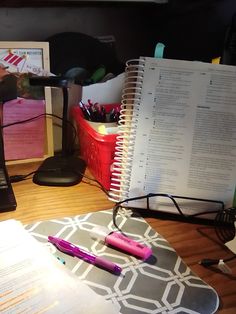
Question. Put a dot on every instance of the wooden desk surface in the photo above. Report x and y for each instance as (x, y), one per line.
(191, 241)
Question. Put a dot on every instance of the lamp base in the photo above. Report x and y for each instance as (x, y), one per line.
(60, 171)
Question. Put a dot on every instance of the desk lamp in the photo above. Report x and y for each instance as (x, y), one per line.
(64, 169)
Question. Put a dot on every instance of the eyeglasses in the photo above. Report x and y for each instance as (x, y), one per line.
(187, 207)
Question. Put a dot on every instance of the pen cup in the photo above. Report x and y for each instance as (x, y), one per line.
(96, 148)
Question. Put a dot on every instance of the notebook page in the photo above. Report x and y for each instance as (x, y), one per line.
(33, 281)
(185, 140)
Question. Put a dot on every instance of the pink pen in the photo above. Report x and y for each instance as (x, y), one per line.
(71, 249)
(121, 242)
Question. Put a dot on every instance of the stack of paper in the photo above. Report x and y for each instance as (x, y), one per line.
(33, 281)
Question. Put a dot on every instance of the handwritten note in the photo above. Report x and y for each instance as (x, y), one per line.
(25, 140)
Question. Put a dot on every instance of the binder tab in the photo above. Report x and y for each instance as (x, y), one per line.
(234, 199)
(159, 50)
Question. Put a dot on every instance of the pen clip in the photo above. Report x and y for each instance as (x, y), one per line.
(63, 246)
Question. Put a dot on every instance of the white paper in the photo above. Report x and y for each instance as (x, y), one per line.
(108, 92)
(34, 281)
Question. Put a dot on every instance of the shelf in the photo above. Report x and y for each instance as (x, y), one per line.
(51, 3)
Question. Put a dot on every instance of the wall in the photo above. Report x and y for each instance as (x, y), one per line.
(191, 29)
(132, 27)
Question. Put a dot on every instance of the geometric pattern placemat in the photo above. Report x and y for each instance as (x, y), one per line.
(162, 284)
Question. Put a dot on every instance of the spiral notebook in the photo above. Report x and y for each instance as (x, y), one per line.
(176, 134)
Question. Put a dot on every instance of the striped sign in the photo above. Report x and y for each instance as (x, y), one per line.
(24, 66)
(13, 59)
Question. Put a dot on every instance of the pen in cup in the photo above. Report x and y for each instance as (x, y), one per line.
(97, 113)
(86, 111)
(73, 250)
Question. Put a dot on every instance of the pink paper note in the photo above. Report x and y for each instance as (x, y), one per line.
(26, 140)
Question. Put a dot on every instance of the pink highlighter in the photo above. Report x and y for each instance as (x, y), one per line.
(118, 240)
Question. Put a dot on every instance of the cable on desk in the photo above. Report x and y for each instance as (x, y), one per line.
(99, 183)
(224, 224)
(21, 177)
(210, 262)
(225, 231)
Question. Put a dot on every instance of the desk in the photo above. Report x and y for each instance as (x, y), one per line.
(191, 241)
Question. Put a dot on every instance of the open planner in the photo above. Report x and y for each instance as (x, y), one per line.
(177, 134)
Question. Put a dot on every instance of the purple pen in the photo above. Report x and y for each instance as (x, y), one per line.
(73, 250)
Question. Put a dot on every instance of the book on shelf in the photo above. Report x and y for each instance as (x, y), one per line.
(34, 281)
(177, 134)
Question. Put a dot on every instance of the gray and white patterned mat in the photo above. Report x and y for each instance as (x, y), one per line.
(162, 284)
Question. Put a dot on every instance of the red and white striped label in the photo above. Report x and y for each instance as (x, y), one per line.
(24, 66)
(13, 59)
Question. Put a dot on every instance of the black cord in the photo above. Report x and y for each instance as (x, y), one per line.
(224, 224)
(225, 231)
(210, 262)
(99, 184)
(21, 177)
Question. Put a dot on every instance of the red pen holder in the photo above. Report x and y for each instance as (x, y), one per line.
(96, 149)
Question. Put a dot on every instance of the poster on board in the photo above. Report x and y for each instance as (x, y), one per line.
(26, 120)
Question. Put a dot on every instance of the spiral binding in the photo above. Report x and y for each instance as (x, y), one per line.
(130, 102)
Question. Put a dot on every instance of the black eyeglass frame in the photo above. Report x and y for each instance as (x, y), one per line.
(172, 198)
